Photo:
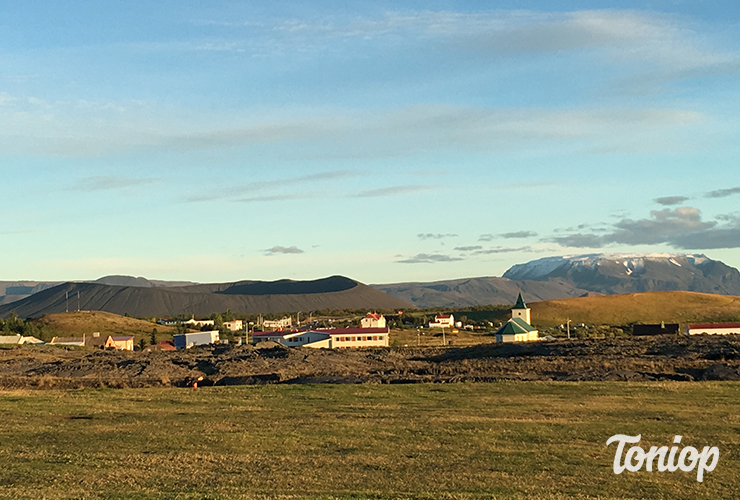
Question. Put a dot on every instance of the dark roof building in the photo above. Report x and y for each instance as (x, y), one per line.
(659, 329)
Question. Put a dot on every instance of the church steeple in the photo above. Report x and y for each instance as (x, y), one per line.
(520, 302)
(521, 310)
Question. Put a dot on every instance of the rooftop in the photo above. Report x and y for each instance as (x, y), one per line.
(514, 326)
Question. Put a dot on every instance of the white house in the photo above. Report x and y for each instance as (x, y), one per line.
(714, 329)
(373, 320)
(442, 321)
(73, 341)
(19, 339)
(328, 338)
(278, 324)
(235, 325)
(188, 340)
(518, 328)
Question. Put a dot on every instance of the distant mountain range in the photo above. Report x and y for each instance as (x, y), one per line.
(12, 291)
(576, 276)
(543, 279)
(630, 273)
(336, 292)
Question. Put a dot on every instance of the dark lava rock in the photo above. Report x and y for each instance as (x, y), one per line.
(720, 372)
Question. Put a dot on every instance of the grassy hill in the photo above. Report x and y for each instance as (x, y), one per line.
(75, 324)
(648, 307)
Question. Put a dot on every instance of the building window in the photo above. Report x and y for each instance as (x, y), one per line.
(375, 337)
(353, 339)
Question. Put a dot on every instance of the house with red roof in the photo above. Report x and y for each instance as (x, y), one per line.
(713, 329)
(443, 321)
(373, 320)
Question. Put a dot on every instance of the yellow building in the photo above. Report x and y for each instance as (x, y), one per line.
(120, 343)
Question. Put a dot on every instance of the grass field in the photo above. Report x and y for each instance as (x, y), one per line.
(458, 441)
(649, 307)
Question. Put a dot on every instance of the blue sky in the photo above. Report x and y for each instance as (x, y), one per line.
(384, 141)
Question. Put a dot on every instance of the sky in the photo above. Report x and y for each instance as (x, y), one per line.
(384, 141)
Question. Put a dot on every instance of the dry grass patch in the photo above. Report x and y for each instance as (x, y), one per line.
(458, 441)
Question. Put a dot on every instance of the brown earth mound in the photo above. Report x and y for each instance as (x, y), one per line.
(670, 358)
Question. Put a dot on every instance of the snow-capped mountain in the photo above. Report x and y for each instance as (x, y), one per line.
(627, 273)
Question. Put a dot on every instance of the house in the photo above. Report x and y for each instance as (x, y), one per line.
(95, 340)
(328, 338)
(235, 325)
(519, 327)
(123, 343)
(31, 340)
(278, 324)
(714, 329)
(19, 339)
(373, 320)
(442, 321)
(657, 329)
(188, 340)
(72, 341)
(165, 345)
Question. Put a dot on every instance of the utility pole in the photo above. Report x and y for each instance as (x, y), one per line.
(66, 297)
(78, 301)
(567, 324)
(444, 340)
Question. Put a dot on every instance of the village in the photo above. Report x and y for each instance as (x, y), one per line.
(373, 331)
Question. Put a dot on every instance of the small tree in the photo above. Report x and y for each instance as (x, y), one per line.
(153, 336)
(218, 321)
(142, 344)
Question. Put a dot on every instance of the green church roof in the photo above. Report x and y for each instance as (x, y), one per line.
(520, 302)
(514, 326)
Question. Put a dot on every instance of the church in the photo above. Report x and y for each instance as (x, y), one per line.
(519, 327)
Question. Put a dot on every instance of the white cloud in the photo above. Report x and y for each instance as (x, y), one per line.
(394, 191)
(109, 182)
(435, 236)
(277, 249)
(670, 44)
(425, 258)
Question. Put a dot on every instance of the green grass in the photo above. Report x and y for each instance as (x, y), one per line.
(458, 441)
